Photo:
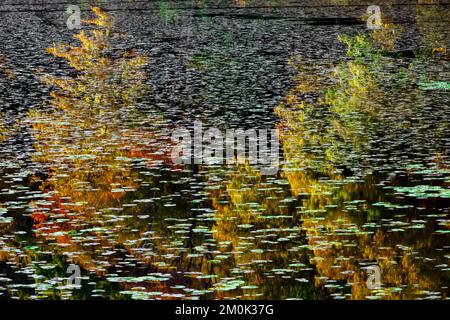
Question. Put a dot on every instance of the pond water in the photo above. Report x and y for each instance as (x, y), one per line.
(359, 205)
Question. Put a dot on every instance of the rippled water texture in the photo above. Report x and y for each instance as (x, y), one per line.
(359, 205)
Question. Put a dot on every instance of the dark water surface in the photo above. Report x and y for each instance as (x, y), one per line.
(363, 179)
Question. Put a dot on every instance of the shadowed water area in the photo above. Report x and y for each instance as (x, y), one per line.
(87, 178)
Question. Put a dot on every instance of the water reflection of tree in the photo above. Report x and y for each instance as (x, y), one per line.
(324, 130)
(321, 130)
(259, 231)
(343, 245)
(88, 139)
(104, 204)
(327, 122)
(84, 134)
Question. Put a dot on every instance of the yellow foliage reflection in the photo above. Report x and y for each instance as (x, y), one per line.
(90, 136)
(321, 136)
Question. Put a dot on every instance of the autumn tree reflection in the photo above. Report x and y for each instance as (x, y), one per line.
(327, 124)
(259, 232)
(88, 139)
(103, 207)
